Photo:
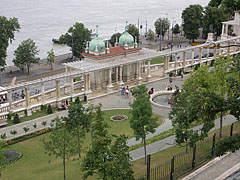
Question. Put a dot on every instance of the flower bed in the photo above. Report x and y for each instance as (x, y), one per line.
(118, 117)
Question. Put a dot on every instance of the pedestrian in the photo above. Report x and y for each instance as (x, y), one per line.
(170, 80)
(174, 76)
(182, 76)
(126, 91)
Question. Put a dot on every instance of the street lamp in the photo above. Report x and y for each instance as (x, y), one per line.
(160, 35)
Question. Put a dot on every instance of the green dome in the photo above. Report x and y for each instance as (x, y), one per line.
(126, 37)
(100, 45)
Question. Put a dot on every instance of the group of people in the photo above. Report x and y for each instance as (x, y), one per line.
(151, 91)
(125, 90)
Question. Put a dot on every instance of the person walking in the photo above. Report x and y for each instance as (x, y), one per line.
(170, 80)
(182, 76)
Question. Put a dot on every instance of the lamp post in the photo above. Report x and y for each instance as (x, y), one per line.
(172, 39)
(72, 41)
(160, 48)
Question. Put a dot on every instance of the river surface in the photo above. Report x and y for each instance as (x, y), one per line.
(42, 20)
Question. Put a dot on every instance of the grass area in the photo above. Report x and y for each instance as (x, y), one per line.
(35, 163)
(157, 60)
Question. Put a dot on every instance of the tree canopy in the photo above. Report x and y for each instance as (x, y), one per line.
(150, 35)
(133, 30)
(192, 20)
(76, 36)
(113, 38)
(161, 26)
(51, 58)
(25, 55)
(7, 29)
(176, 29)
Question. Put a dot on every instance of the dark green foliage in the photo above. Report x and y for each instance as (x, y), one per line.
(77, 36)
(25, 112)
(113, 38)
(133, 30)
(16, 118)
(7, 29)
(161, 26)
(43, 107)
(9, 116)
(176, 29)
(77, 100)
(231, 143)
(49, 109)
(25, 55)
(192, 20)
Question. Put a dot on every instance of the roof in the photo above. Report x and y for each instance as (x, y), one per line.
(113, 51)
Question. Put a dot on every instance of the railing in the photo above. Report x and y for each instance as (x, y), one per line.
(187, 161)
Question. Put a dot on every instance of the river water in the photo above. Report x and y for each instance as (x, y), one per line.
(42, 20)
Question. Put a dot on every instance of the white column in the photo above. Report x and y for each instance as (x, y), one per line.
(223, 29)
(116, 74)
(200, 55)
(72, 86)
(148, 69)
(89, 83)
(10, 99)
(226, 29)
(58, 92)
(121, 74)
(27, 96)
(192, 57)
(85, 83)
(139, 71)
(228, 49)
(43, 92)
(110, 78)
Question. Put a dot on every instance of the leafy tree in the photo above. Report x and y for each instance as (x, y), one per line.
(13, 132)
(192, 20)
(7, 29)
(51, 58)
(214, 3)
(79, 122)
(96, 158)
(161, 26)
(230, 6)
(113, 38)
(35, 126)
(142, 121)
(60, 143)
(3, 136)
(16, 118)
(26, 129)
(227, 144)
(121, 168)
(25, 54)
(213, 19)
(77, 36)
(133, 30)
(44, 123)
(176, 29)
(49, 109)
(150, 35)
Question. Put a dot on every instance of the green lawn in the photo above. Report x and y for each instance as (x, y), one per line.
(157, 60)
(35, 163)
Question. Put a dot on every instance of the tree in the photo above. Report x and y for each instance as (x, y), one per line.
(133, 30)
(142, 121)
(7, 29)
(227, 144)
(13, 132)
(230, 6)
(3, 136)
(192, 20)
(51, 58)
(16, 118)
(35, 126)
(176, 29)
(213, 19)
(79, 122)
(25, 54)
(44, 123)
(60, 143)
(214, 3)
(95, 161)
(49, 109)
(26, 129)
(150, 35)
(114, 37)
(76, 36)
(161, 26)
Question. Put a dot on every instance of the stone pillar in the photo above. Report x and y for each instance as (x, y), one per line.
(192, 57)
(184, 59)
(72, 86)
(139, 78)
(148, 70)
(226, 29)
(27, 101)
(121, 74)
(116, 75)
(109, 86)
(89, 83)
(10, 99)
(43, 92)
(85, 83)
(58, 92)
(175, 64)
(98, 79)
(200, 55)
(165, 66)
(215, 51)
(223, 29)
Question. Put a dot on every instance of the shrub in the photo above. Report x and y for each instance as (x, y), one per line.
(25, 112)
(49, 109)
(16, 118)
(9, 116)
(77, 100)
(43, 107)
